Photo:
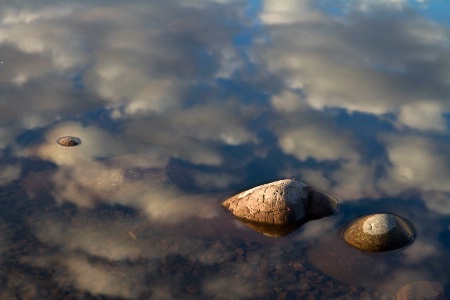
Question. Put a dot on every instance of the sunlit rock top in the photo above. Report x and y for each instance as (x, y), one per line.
(280, 205)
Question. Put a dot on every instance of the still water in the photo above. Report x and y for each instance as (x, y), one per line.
(181, 104)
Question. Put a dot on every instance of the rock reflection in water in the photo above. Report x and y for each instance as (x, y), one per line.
(274, 230)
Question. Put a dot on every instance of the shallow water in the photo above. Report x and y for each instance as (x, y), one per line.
(180, 105)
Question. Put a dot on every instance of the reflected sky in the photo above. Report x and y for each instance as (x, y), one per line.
(181, 104)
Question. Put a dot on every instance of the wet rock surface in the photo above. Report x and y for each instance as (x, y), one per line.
(379, 233)
(280, 203)
(321, 205)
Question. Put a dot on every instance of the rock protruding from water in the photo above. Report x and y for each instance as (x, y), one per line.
(379, 233)
(421, 290)
(283, 202)
(69, 141)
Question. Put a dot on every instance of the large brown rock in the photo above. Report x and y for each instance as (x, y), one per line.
(281, 202)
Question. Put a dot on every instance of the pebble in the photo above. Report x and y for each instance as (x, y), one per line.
(69, 141)
(297, 266)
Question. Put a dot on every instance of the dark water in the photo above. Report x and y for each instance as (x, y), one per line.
(180, 104)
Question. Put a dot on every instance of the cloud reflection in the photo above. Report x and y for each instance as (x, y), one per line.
(358, 63)
(355, 103)
(140, 181)
(148, 69)
(361, 64)
(95, 144)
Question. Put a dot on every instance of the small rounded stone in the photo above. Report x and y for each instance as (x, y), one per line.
(69, 141)
(379, 233)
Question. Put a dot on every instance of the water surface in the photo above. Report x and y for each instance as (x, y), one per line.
(181, 104)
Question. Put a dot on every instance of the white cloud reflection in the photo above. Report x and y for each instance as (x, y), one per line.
(359, 62)
(97, 279)
(418, 163)
(288, 12)
(95, 144)
(304, 141)
(84, 179)
(142, 67)
(424, 115)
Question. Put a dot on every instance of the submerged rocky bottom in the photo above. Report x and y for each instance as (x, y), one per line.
(267, 274)
(52, 251)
